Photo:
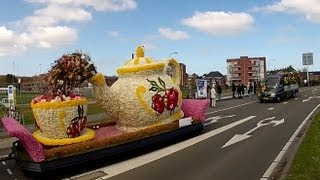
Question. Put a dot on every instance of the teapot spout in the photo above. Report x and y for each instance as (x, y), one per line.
(104, 95)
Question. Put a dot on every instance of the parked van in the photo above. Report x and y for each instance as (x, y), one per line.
(279, 87)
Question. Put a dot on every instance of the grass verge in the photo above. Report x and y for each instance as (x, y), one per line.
(306, 163)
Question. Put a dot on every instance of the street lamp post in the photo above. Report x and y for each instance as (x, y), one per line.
(173, 53)
(40, 83)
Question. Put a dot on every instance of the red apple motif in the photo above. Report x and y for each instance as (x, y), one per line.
(158, 103)
(171, 98)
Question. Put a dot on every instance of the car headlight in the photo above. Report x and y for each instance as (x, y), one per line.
(272, 94)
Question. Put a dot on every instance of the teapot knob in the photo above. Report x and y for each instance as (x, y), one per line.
(139, 52)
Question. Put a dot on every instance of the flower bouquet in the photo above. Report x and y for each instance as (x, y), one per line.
(60, 114)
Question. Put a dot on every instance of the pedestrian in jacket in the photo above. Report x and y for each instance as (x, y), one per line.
(233, 88)
(213, 96)
(239, 91)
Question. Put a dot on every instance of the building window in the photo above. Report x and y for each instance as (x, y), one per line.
(250, 74)
(250, 68)
(239, 68)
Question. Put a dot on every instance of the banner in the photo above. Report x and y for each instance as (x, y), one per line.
(201, 88)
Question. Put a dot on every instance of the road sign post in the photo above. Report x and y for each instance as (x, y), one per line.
(307, 59)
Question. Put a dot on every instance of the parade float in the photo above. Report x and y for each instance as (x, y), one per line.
(280, 86)
(145, 106)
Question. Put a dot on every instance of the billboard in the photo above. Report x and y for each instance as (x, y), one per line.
(307, 58)
(202, 86)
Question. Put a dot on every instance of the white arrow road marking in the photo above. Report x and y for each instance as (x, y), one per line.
(305, 100)
(123, 166)
(239, 137)
(215, 119)
(311, 97)
(271, 108)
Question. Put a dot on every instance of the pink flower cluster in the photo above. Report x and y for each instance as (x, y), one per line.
(47, 98)
(31, 145)
(195, 108)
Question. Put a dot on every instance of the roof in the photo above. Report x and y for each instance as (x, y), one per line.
(213, 74)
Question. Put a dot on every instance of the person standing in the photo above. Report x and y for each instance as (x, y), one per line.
(213, 96)
(250, 90)
(219, 91)
(233, 88)
(239, 91)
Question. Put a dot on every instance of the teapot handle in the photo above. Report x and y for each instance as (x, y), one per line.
(173, 67)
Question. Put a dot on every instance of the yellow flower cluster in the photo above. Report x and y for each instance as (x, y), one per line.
(53, 118)
(98, 79)
(87, 134)
(50, 105)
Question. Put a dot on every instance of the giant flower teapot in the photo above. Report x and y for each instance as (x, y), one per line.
(147, 93)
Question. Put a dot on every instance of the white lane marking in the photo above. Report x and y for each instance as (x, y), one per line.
(215, 119)
(285, 148)
(4, 163)
(9, 171)
(124, 166)
(265, 122)
(285, 102)
(305, 100)
(210, 122)
(296, 98)
(269, 109)
(231, 107)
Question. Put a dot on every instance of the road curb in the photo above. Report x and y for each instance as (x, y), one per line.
(282, 166)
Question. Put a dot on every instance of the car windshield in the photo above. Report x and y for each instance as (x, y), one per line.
(271, 83)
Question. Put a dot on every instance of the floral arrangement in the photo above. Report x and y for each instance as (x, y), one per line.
(291, 77)
(67, 73)
(60, 113)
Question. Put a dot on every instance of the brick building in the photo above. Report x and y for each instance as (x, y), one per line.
(184, 75)
(245, 69)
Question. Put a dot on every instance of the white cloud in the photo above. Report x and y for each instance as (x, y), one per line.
(99, 5)
(309, 8)
(220, 23)
(149, 46)
(49, 37)
(113, 34)
(173, 35)
(54, 14)
(51, 26)
(10, 43)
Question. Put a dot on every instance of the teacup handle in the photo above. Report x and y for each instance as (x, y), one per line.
(174, 67)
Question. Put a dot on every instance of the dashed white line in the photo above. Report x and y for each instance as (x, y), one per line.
(9, 171)
(285, 102)
(4, 163)
(269, 109)
(231, 107)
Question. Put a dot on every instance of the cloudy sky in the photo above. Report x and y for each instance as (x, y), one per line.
(204, 33)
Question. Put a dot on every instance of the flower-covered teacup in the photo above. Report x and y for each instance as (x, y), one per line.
(60, 117)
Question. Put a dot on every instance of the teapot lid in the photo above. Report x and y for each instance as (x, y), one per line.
(140, 63)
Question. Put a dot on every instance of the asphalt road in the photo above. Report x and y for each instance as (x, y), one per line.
(240, 140)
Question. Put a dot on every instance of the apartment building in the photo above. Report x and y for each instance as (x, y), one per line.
(245, 69)
(184, 75)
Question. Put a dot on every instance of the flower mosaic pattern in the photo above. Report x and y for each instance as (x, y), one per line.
(164, 98)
